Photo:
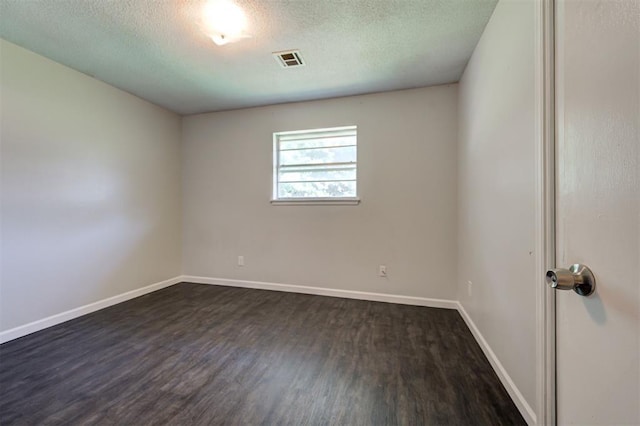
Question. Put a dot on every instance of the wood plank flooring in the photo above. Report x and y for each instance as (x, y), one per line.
(195, 354)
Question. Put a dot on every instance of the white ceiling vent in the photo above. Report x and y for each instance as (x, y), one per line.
(289, 58)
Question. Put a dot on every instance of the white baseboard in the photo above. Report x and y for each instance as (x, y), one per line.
(41, 324)
(525, 409)
(321, 291)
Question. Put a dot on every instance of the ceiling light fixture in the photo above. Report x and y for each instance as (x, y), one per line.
(224, 21)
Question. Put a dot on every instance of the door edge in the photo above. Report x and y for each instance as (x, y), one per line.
(545, 212)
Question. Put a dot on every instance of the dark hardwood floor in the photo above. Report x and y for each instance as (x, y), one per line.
(202, 355)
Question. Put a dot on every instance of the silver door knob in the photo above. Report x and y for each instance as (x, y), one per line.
(578, 278)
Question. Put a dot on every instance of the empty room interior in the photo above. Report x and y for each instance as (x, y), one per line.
(285, 212)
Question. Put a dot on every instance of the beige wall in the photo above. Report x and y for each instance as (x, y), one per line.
(407, 183)
(497, 191)
(90, 189)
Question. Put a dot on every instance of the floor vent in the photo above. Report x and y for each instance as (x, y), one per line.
(289, 58)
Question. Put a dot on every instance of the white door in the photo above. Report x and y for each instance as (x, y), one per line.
(598, 209)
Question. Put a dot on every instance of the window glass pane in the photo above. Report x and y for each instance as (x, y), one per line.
(325, 174)
(317, 189)
(343, 154)
(317, 143)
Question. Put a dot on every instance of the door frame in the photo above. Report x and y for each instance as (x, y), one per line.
(545, 159)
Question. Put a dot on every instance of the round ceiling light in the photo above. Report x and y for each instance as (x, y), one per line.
(224, 21)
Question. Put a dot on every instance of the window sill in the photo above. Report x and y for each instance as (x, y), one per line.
(316, 202)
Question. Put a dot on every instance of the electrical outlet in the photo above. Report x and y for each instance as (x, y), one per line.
(382, 271)
(469, 289)
(240, 260)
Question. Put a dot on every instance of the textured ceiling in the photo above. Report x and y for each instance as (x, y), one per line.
(156, 49)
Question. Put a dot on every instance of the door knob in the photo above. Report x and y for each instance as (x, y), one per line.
(578, 278)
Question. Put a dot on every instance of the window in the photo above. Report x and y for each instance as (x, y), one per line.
(315, 166)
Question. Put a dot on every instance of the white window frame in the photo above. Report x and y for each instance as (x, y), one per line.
(312, 133)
